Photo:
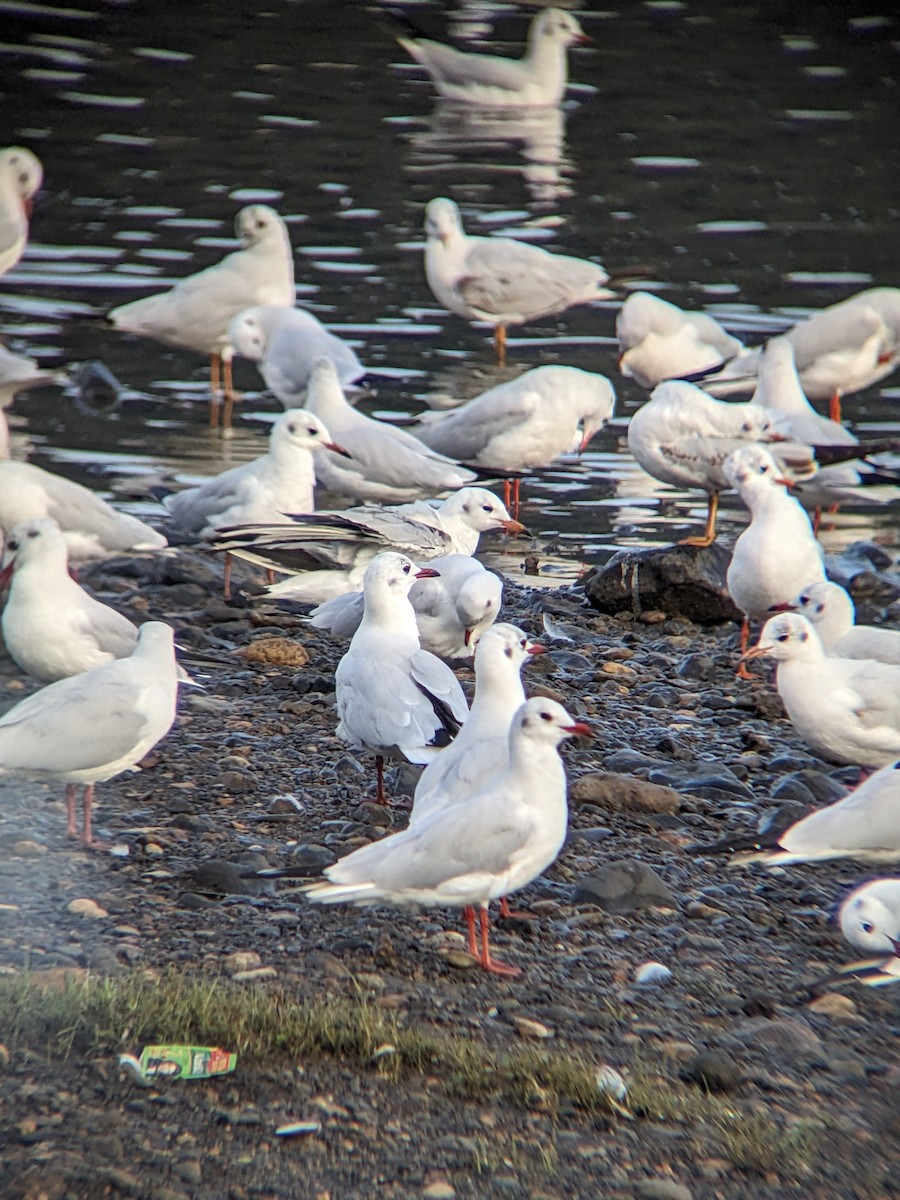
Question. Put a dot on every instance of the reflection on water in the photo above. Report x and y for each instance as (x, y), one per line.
(744, 153)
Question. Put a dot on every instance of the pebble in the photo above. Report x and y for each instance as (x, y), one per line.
(439, 1190)
(26, 848)
(531, 1029)
(713, 1069)
(833, 1004)
(789, 1039)
(624, 793)
(662, 1189)
(652, 972)
(622, 886)
(86, 908)
(241, 960)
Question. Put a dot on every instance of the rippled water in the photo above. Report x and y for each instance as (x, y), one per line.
(745, 153)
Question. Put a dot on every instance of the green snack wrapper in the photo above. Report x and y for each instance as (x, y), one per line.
(185, 1062)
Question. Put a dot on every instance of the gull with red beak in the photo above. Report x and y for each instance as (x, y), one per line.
(494, 841)
(452, 610)
(777, 555)
(500, 281)
(528, 422)
(393, 697)
(21, 175)
(536, 80)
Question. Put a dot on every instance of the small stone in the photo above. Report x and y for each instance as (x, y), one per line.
(439, 1190)
(533, 1030)
(662, 1189)
(237, 781)
(86, 908)
(789, 1039)
(26, 848)
(189, 1171)
(713, 1069)
(624, 793)
(4, 1057)
(622, 886)
(153, 849)
(275, 652)
(833, 1004)
(649, 973)
(254, 976)
(241, 960)
(617, 669)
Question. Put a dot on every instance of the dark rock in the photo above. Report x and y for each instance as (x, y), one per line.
(622, 886)
(759, 1004)
(699, 778)
(215, 877)
(696, 666)
(237, 781)
(789, 1039)
(714, 1070)
(187, 568)
(792, 788)
(688, 581)
(312, 859)
(623, 792)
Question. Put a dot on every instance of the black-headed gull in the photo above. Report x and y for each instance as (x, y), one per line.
(93, 528)
(838, 350)
(870, 920)
(386, 464)
(51, 626)
(21, 174)
(499, 280)
(284, 343)
(392, 696)
(527, 422)
(830, 610)
(332, 549)
(488, 80)
(196, 312)
(95, 725)
(846, 709)
(497, 840)
(452, 609)
(864, 825)
(660, 341)
(777, 554)
(481, 748)
(280, 481)
(682, 436)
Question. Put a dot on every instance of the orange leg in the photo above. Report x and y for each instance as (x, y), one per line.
(500, 345)
(270, 575)
(71, 796)
(742, 672)
(515, 511)
(709, 534)
(488, 963)
(215, 365)
(509, 914)
(86, 801)
(226, 586)
(469, 914)
(379, 769)
(229, 393)
(834, 405)
(507, 494)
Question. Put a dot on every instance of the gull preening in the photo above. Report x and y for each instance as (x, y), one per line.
(280, 481)
(284, 343)
(870, 920)
(777, 554)
(683, 437)
(499, 280)
(488, 80)
(845, 709)
(495, 841)
(92, 528)
(660, 341)
(386, 463)
(93, 726)
(21, 175)
(331, 550)
(830, 610)
(393, 697)
(452, 609)
(525, 423)
(51, 626)
(195, 314)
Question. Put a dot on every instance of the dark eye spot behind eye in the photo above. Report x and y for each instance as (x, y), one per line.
(32, 533)
(508, 652)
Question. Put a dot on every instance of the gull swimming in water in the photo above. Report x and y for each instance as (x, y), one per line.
(499, 280)
(195, 314)
(488, 80)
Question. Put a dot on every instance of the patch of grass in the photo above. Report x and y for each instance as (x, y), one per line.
(755, 1142)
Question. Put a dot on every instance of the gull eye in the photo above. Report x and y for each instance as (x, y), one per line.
(32, 533)
(406, 569)
(312, 431)
(545, 716)
(12, 544)
(805, 600)
(488, 508)
(784, 637)
(867, 926)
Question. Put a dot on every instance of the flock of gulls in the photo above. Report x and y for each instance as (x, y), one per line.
(396, 575)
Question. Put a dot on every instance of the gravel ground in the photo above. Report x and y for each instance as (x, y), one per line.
(253, 773)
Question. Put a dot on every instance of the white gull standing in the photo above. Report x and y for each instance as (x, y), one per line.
(21, 174)
(452, 610)
(683, 437)
(845, 709)
(777, 554)
(830, 610)
(333, 549)
(488, 80)
(284, 343)
(499, 280)
(386, 464)
(497, 840)
(196, 312)
(527, 422)
(870, 920)
(92, 528)
(51, 626)
(93, 726)
(393, 697)
(660, 341)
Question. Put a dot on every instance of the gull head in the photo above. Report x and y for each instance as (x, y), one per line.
(31, 540)
(787, 637)
(248, 335)
(543, 720)
(554, 25)
(442, 221)
(24, 168)
(870, 917)
(255, 224)
(390, 573)
(751, 468)
(481, 511)
(503, 648)
(822, 602)
(477, 604)
(302, 430)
